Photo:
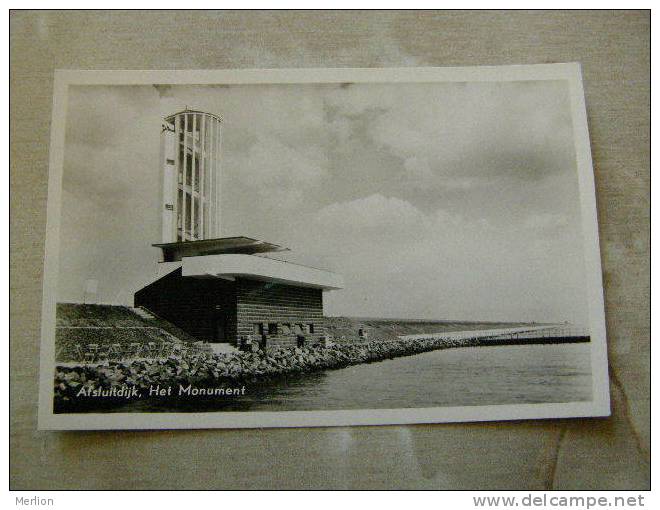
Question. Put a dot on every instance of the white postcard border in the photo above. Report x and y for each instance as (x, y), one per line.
(599, 406)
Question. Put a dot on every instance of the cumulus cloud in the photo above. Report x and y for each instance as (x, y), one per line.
(441, 264)
(372, 214)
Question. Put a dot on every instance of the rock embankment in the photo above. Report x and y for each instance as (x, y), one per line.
(219, 369)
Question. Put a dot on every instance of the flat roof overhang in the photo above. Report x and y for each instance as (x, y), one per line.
(173, 252)
(231, 266)
(169, 118)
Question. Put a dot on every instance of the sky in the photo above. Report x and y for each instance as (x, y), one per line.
(433, 200)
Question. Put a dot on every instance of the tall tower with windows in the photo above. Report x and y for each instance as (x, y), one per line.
(190, 157)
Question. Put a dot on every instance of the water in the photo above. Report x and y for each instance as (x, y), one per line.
(515, 374)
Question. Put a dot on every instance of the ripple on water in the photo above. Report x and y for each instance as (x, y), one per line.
(511, 374)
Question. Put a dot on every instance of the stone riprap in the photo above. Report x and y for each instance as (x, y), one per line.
(217, 369)
(212, 369)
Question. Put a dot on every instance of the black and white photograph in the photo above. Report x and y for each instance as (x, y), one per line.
(321, 247)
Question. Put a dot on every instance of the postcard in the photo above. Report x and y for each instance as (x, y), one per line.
(320, 247)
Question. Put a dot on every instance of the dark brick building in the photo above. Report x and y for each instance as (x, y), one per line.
(220, 291)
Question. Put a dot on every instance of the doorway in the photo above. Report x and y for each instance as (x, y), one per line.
(220, 327)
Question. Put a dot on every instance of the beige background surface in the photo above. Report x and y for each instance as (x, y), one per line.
(565, 454)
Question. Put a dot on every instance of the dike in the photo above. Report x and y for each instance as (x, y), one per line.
(208, 369)
(244, 367)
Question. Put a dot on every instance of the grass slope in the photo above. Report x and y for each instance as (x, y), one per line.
(79, 325)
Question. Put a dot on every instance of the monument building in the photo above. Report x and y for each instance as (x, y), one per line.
(223, 289)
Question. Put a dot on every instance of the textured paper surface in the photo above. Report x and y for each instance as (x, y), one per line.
(564, 454)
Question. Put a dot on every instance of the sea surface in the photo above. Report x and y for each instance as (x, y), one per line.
(470, 376)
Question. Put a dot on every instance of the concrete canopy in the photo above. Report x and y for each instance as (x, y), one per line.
(245, 245)
(230, 266)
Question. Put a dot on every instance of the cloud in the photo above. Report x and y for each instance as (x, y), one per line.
(112, 141)
(353, 99)
(439, 264)
(481, 130)
(278, 173)
(372, 214)
(272, 163)
(418, 169)
(97, 115)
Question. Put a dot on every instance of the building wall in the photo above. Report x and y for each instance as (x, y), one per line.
(193, 304)
(268, 303)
